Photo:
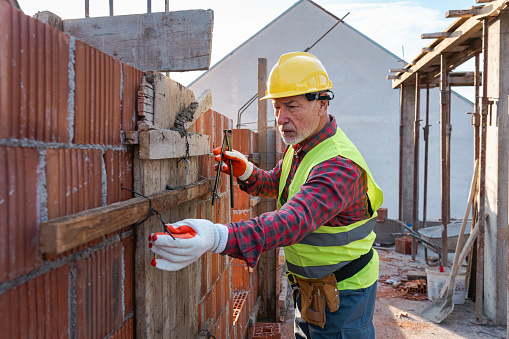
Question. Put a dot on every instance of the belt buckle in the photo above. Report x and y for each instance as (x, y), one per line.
(292, 280)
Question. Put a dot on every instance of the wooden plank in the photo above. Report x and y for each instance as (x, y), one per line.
(392, 77)
(169, 41)
(254, 312)
(67, 232)
(461, 13)
(204, 104)
(51, 19)
(253, 201)
(169, 144)
(399, 70)
(463, 32)
(159, 293)
(427, 49)
(439, 35)
(483, 1)
(170, 98)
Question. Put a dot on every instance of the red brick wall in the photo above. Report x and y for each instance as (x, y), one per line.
(64, 106)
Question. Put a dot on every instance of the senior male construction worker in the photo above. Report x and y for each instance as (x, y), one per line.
(327, 202)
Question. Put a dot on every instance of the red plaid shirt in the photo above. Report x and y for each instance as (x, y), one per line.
(334, 194)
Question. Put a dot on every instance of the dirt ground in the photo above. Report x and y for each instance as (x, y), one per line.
(397, 313)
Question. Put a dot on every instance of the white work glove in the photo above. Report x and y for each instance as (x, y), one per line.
(193, 237)
(242, 168)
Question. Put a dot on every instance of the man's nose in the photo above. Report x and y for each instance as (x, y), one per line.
(282, 117)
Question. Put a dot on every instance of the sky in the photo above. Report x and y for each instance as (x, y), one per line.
(395, 25)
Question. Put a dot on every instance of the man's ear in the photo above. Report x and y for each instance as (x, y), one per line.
(324, 104)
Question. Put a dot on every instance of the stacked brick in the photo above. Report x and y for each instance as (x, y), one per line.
(267, 331)
(63, 106)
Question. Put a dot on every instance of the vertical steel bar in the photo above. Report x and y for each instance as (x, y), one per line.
(476, 117)
(400, 207)
(415, 206)
(479, 292)
(426, 149)
(149, 6)
(443, 154)
(449, 131)
(111, 7)
(87, 8)
(228, 136)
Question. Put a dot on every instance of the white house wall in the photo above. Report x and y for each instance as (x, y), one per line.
(365, 106)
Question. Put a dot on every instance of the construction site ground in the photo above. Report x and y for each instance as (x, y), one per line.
(397, 312)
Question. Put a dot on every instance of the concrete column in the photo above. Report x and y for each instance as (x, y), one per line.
(497, 154)
(406, 130)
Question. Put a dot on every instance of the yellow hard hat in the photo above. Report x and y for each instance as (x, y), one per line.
(297, 73)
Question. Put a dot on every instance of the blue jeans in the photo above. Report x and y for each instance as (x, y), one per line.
(353, 320)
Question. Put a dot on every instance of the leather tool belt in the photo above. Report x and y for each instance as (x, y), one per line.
(315, 294)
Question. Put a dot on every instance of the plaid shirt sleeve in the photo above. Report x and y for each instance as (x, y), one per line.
(334, 187)
(262, 183)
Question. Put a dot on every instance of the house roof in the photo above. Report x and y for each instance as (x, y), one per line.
(282, 15)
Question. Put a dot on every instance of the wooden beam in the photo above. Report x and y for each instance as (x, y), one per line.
(439, 35)
(392, 77)
(461, 13)
(170, 144)
(253, 201)
(170, 98)
(399, 70)
(483, 1)
(64, 233)
(427, 49)
(169, 41)
(51, 19)
(461, 34)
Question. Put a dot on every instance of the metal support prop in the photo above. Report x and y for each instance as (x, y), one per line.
(400, 201)
(111, 7)
(476, 118)
(415, 207)
(479, 292)
(426, 149)
(449, 132)
(443, 154)
(87, 8)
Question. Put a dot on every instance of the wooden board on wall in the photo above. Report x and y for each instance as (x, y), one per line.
(166, 302)
(165, 143)
(168, 41)
(170, 98)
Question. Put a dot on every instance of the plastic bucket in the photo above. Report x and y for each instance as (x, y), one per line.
(437, 279)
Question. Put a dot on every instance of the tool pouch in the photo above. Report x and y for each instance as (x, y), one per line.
(315, 294)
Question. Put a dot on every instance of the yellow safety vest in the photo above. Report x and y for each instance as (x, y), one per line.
(330, 248)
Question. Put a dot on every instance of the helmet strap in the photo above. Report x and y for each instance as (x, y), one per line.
(317, 96)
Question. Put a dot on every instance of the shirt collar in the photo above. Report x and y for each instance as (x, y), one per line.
(326, 132)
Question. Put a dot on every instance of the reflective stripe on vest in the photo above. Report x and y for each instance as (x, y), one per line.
(339, 238)
(329, 248)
